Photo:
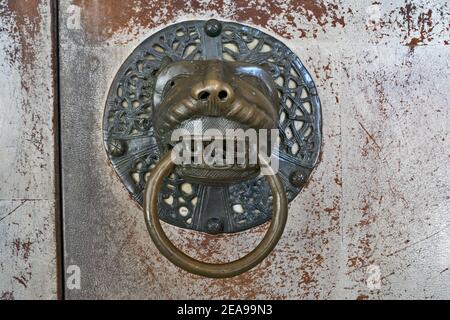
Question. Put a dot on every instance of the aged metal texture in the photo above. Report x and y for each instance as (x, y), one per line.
(28, 261)
(137, 119)
(373, 222)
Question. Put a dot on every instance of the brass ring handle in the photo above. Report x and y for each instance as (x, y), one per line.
(224, 270)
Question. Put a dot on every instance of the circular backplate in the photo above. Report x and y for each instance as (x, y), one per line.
(132, 148)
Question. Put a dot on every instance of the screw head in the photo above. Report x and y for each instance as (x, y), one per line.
(214, 225)
(297, 178)
(117, 147)
(213, 27)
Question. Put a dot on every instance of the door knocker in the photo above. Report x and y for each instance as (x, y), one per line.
(205, 79)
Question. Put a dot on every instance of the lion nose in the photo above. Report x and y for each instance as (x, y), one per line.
(213, 91)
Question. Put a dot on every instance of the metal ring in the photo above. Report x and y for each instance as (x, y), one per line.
(211, 270)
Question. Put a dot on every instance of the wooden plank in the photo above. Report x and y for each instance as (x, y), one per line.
(372, 222)
(28, 264)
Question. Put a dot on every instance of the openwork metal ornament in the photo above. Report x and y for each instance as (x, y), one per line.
(136, 133)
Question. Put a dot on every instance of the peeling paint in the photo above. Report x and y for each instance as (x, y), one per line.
(416, 23)
(102, 19)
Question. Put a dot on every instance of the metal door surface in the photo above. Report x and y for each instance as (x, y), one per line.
(28, 151)
(372, 223)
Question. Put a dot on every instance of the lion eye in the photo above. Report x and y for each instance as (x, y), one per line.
(169, 85)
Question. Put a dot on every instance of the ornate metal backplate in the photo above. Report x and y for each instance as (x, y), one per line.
(132, 149)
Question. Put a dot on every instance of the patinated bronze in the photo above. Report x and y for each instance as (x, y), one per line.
(133, 144)
(219, 75)
(213, 94)
(212, 270)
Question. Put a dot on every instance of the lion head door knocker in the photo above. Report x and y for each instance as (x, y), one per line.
(205, 80)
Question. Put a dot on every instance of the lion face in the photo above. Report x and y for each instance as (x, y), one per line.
(217, 95)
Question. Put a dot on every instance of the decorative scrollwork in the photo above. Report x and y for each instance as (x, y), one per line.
(251, 202)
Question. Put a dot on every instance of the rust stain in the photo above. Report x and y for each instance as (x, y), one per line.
(23, 23)
(7, 295)
(424, 26)
(367, 216)
(417, 26)
(365, 208)
(413, 23)
(407, 13)
(27, 26)
(247, 285)
(21, 280)
(103, 19)
(306, 278)
(22, 247)
(354, 262)
(338, 181)
(204, 247)
(366, 221)
(250, 285)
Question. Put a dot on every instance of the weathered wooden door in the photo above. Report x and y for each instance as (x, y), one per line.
(373, 222)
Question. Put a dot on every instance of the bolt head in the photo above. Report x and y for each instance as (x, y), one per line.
(214, 226)
(213, 27)
(117, 147)
(298, 178)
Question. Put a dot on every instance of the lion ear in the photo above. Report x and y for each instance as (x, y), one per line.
(164, 63)
(266, 67)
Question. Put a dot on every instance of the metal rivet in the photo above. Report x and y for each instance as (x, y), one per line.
(298, 178)
(213, 28)
(117, 147)
(214, 225)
